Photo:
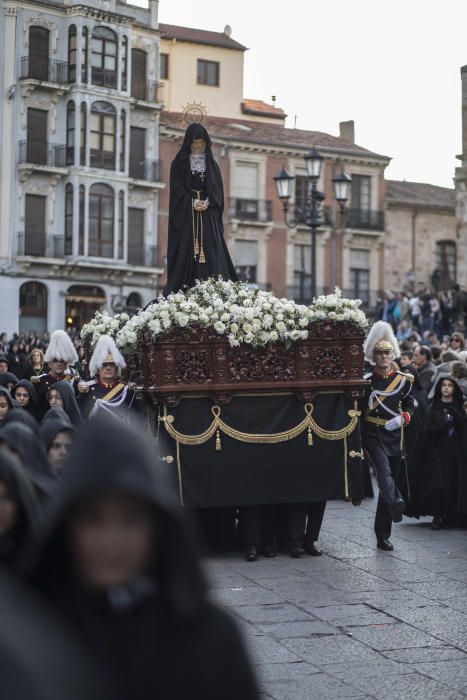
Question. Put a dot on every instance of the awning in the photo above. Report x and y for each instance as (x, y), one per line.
(87, 300)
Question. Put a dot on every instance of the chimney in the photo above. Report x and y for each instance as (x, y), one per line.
(464, 113)
(347, 131)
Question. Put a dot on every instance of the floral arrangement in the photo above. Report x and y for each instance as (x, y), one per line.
(102, 324)
(241, 313)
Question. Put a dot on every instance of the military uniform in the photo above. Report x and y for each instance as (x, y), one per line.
(388, 398)
(117, 398)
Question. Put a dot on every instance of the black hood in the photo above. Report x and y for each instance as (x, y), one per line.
(181, 167)
(7, 378)
(70, 405)
(4, 392)
(56, 414)
(24, 442)
(458, 398)
(108, 460)
(51, 427)
(19, 415)
(26, 384)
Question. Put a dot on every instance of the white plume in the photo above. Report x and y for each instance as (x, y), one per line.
(381, 330)
(105, 346)
(61, 348)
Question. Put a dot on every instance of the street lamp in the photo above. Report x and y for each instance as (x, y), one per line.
(284, 186)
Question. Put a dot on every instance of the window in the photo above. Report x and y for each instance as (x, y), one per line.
(360, 275)
(246, 204)
(136, 236)
(82, 133)
(32, 307)
(38, 68)
(361, 200)
(81, 221)
(302, 273)
(124, 63)
(72, 52)
(37, 147)
(70, 133)
(302, 185)
(121, 224)
(164, 70)
(208, 72)
(246, 260)
(101, 221)
(84, 55)
(138, 74)
(137, 152)
(34, 220)
(446, 264)
(102, 135)
(122, 139)
(69, 219)
(104, 57)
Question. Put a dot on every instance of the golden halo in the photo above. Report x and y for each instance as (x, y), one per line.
(193, 113)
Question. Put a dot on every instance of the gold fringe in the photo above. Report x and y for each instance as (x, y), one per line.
(308, 423)
(179, 474)
(310, 437)
(218, 441)
(346, 475)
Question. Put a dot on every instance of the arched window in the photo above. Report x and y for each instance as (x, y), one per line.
(32, 307)
(121, 212)
(134, 302)
(38, 53)
(122, 139)
(445, 274)
(101, 221)
(72, 52)
(81, 221)
(84, 55)
(124, 63)
(82, 133)
(69, 219)
(103, 117)
(104, 57)
(70, 133)
(138, 74)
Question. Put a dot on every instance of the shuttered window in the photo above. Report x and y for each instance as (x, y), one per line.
(38, 53)
(135, 236)
(138, 74)
(37, 136)
(137, 152)
(246, 260)
(69, 219)
(35, 207)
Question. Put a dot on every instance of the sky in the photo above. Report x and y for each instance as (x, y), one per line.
(394, 68)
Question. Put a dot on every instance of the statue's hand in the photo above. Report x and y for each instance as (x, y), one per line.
(200, 204)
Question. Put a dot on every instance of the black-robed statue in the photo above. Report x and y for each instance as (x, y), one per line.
(196, 246)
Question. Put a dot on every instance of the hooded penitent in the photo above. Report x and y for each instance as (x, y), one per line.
(11, 402)
(186, 226)
(106, 351)
(380, 337)
(21, 491)
(50, 428)
(23, 442)
(8, 378)
(56, 414)
(158, 637)
(70, 405)
(438, 467)
(32, 405)
(61, 348)
(19, 415)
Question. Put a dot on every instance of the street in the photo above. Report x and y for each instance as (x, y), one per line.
(356, 622)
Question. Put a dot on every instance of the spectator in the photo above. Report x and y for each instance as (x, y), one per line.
(422, 359)
(457, 341)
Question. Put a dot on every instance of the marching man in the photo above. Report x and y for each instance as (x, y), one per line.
(387, 409)
(60, 357)
(106, 391)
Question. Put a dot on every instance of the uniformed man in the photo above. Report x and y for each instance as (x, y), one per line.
(387, 408)
(60, 357)
(106, 391)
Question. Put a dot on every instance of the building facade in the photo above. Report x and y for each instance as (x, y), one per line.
(423, 244)
(80, 171)
(460, 181)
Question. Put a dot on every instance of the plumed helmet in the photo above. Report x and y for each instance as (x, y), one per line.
(380, 337)
(106, 351)
(61, 348)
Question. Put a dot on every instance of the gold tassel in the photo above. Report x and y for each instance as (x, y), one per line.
(202, 257)
(310, 437)
(218, 441)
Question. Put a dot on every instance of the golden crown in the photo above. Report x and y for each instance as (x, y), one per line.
(193, 113)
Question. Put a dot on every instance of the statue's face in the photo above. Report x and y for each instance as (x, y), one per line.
(198, 146)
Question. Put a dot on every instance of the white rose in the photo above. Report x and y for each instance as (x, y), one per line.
(225, 318)
(249, 337)
(247, 327)
(219, 327)
(273, 336)
(234, 327)
(233, 342)
(281, 327)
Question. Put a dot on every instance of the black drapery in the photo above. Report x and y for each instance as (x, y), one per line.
(182, 268)
(242, 474)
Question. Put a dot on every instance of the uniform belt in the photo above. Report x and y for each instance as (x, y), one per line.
(376, 421)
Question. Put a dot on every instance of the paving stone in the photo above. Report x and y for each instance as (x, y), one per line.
(282, 612)
(438, 590)
(377, 667)
(425, 654)
(357, 581)
(284, 671)
(398, 636)
(412, 685)
(288, 630)
(452, 673)
(321, 651)
(338, 612)
(264, 650)
(245, 596)
(315, 687)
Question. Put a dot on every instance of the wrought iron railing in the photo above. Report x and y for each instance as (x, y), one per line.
(104, 77)
(146, 90)
(148, 170)
(250, 209)
(102, 159)
(38, 152)
(47, 70)
(371, 219)
(40, 244)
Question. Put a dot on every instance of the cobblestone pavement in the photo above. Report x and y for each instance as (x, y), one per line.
(356, 622)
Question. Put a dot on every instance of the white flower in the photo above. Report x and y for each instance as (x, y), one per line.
(219, 327)
(273, 336)
(249, 337)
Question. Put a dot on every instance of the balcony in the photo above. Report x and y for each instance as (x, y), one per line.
(146, 171)
(145, 256)
(41, 154)
(367, 219)
(259, 210)
(39, 245)
(146, 91)
(44, 70)
(104, 77)
(102, 159)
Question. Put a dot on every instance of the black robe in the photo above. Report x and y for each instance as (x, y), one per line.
(22, 441)
(70, 404)
(438, 470)
(183, 267)
(167, 640)
(32, 407)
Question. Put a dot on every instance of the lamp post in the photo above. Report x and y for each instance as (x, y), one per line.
(284, 187)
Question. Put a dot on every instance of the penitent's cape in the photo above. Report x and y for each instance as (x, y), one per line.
(182, 268)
